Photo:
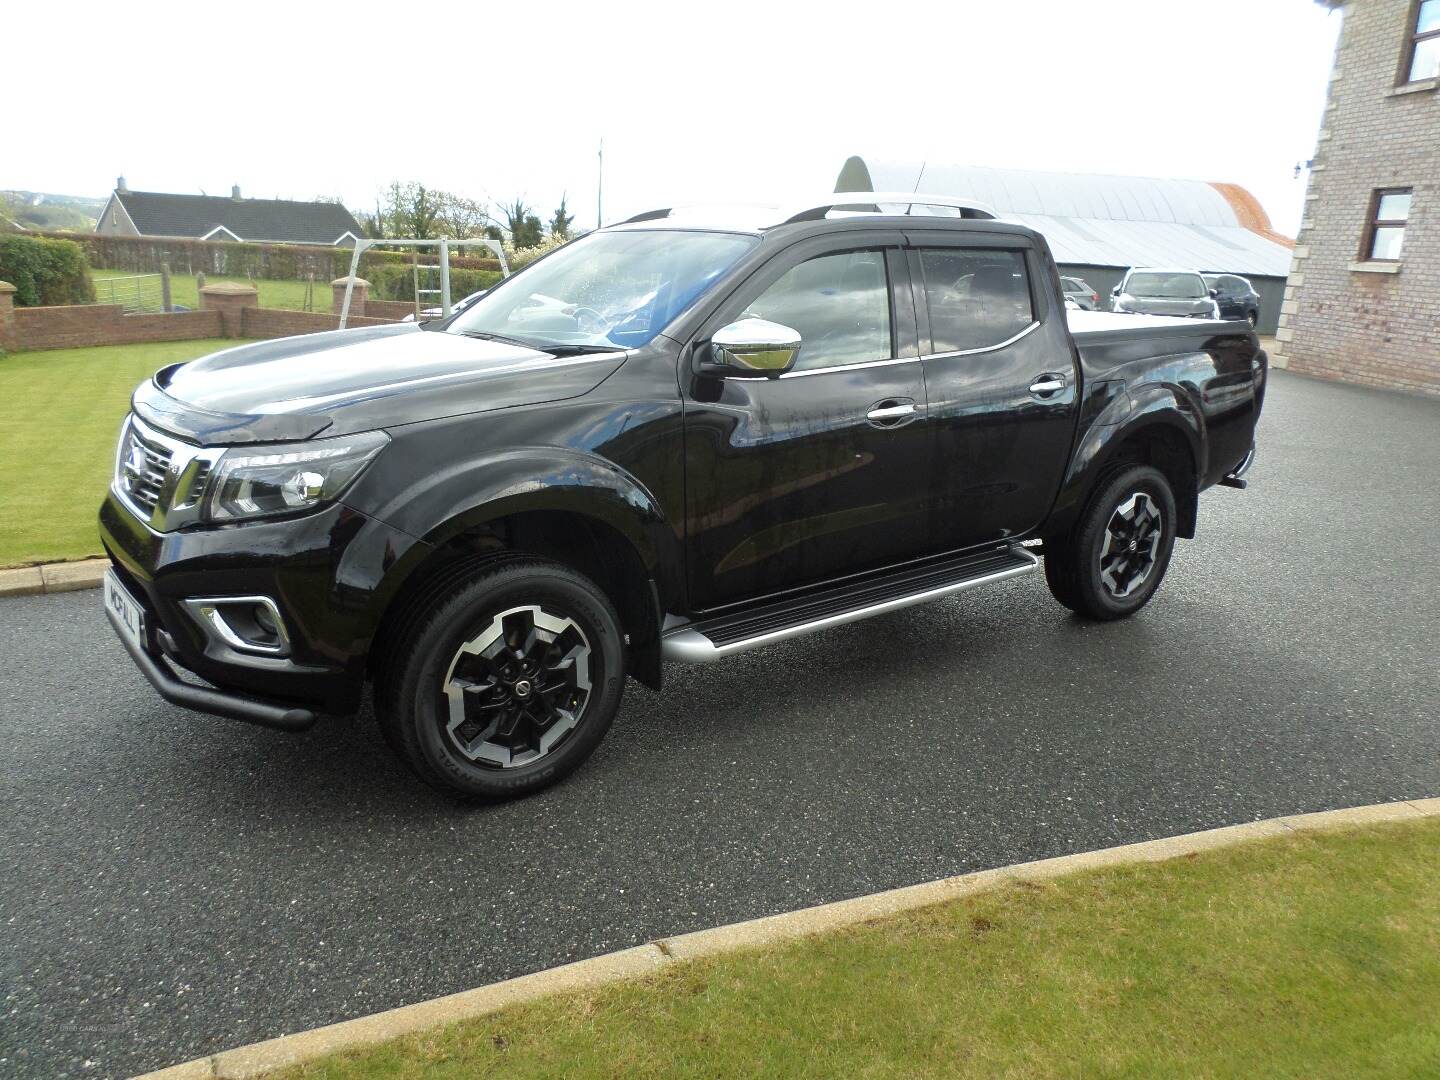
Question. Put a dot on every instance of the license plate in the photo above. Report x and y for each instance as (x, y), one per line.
(129, 614)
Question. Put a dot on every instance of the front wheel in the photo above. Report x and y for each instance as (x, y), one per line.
(1114, 559)
(506, 683)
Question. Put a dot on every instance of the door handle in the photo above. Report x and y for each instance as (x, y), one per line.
(1047, 385)
(887, 413)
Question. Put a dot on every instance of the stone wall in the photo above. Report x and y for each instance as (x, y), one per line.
(1344, 316)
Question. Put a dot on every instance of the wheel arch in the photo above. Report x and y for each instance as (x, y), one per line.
(578, 510)
(1161, 428)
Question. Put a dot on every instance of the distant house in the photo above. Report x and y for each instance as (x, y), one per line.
(214, 217)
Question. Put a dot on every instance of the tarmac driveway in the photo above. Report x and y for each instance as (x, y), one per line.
(172, 885)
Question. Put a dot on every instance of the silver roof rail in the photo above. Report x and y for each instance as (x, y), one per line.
(856, 201)
(869, 201)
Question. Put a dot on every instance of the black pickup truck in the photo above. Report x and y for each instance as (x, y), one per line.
(677, 438)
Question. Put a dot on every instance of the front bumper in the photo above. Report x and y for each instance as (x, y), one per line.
(328, 573)
(204, 699)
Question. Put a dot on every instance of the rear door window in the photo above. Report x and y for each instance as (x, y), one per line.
(977, 299)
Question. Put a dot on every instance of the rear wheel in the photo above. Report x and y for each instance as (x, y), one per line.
(506, 683)
(1114, 559)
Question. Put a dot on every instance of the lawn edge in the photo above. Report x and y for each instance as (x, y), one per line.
(639, 961)
(54, 577)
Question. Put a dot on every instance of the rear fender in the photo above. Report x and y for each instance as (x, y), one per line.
(1128, 419)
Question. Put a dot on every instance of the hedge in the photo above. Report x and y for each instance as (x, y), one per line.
(398, 282)
(45, 271)
(228, 258)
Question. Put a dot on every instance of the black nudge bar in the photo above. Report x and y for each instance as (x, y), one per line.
(203, 699)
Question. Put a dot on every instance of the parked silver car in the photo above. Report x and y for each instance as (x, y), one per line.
(1147, 290)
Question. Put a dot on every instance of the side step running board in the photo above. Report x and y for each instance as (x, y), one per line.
(725, 635)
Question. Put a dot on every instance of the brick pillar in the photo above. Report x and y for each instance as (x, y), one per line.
(357, 297)
(230, 299)
(8, 339)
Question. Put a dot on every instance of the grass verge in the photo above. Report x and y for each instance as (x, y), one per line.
(60, 413)
(1316, 955)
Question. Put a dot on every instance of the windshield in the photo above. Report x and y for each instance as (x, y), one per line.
(1167, 286)
(606, 290)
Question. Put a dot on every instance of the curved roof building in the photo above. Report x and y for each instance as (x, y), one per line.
(1106, 221)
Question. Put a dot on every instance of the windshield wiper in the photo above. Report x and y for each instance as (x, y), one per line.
(558, 349)
(579, 350)
(485, 335)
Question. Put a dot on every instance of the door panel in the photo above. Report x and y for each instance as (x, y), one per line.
(1001, 382)
(821, 472)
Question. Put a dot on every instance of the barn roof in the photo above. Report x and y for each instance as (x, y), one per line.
(1119, 221)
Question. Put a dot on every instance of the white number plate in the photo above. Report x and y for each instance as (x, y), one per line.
(130, 615)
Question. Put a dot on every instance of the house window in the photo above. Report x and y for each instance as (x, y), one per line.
(1390, 210)
(1425, 42)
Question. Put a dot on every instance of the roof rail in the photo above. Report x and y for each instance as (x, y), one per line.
(858, 201)
(871, 200)
(649, 215)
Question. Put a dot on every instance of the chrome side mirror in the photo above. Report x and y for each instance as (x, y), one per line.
(752, 347)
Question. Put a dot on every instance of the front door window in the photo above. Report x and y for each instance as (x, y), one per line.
(839, 303)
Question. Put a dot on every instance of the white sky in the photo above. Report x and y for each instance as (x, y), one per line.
(738, 101)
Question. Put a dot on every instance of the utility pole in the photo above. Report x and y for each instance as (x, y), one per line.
(600, 188)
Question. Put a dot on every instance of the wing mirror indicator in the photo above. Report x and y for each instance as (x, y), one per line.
(752, 347)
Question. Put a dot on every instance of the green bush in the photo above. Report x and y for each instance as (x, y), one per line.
(45, 271)
(391, 282)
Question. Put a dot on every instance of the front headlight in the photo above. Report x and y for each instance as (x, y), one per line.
(265, 480)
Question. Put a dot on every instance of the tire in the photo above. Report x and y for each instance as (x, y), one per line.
(1116, 556)
(504, 682)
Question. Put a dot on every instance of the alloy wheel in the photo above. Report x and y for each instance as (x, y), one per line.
(517, 688)
(1132, 545)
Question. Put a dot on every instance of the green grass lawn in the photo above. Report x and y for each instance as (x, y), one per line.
(1313, 956)
(60, 413)
(273, 294)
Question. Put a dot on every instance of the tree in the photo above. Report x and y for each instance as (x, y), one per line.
(412, 210)
(561, 222)
(525, 229)
(461, 218)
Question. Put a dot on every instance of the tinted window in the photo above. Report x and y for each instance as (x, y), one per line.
(1167, 286)
(839, 303)
(976, 298)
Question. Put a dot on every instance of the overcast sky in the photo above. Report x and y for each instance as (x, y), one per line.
(738, 101)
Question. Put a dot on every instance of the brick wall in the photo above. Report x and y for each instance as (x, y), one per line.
(1342, 319)
(392, 309)
(83, 325)
(257, 322)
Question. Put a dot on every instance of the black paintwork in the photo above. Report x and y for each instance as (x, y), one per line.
(715, 494)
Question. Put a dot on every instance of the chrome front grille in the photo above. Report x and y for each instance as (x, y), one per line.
(143, 467)
(161, 478)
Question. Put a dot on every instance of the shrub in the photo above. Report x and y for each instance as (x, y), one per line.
(45, 271)
(519, 257)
